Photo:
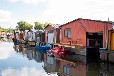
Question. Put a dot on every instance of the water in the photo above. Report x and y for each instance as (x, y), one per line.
(21, 61)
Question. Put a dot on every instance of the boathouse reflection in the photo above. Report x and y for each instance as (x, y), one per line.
(51, 65)
(70, 66)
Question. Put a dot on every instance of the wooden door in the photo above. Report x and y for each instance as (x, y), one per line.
(112, 41)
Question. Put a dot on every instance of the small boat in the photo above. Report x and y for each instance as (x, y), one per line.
(57, 52)
(42, 48)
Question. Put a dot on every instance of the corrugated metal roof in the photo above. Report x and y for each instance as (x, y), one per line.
(53, 25)
(88, 20)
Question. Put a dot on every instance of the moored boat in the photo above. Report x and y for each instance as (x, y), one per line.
(42, 48)
(57, 51)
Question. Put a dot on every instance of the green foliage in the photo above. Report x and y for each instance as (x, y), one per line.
(45, 24)
(9, 30)
(17, 27)
(6, 30)
(40, 26)
(23, 25)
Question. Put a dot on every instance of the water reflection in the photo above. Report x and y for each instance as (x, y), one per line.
(5, 50)
(23, 72)
(51, 65)
(68, 68)
(17, 64)
(107, 69)
(38, 56)
(23, 61)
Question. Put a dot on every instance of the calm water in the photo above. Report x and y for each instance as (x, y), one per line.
(21, 61)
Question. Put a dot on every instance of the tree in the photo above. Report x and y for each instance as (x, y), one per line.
(38, 26)
(45, 24)
(2, 30)
(28, 27)
(23, 25)
(17, 27)
(9, 30)
(6, 30)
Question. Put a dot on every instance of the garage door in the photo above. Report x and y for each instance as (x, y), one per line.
(112, 42)
(50, 38)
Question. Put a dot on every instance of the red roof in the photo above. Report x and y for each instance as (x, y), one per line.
(88, 20)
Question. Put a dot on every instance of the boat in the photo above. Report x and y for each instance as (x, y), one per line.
(57, 52)
(42, 48)
(60, 52)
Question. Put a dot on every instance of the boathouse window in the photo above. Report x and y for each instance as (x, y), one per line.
(67, 32)
(50, 31)
(66, 70)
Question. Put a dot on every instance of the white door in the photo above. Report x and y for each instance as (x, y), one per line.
(50, 38)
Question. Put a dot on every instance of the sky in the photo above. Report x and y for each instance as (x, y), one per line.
(53, 11)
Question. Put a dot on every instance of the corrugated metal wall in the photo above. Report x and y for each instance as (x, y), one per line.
(111, 40)
(49, 27)
(79, 28)
(56, 33)
(43, 37)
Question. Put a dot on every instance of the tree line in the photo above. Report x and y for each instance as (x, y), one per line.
(23, 25)
(6, 29)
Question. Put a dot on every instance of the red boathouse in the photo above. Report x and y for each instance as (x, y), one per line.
(52, 33)
(85, 34)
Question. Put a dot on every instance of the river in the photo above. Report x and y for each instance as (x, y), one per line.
(21, 61)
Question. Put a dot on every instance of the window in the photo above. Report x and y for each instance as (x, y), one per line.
(67, 33)
(51, 31)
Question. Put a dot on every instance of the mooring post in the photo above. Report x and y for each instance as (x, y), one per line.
(107, 58)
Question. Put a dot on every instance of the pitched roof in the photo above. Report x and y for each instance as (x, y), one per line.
(53, 25)
(88, 20)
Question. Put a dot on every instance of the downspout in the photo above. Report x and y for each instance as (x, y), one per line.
(55, 39)
(106, 30)
(60, 35)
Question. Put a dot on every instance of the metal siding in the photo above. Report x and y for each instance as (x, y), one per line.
(49, 27)
(56, 33)
(58, 36)
(77, 31)
(111, 39)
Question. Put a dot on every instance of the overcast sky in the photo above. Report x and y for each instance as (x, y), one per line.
(54, 11)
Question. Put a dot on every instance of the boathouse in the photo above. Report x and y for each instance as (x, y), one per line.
(107, 54)
(52, 33)
(43, 37)
(86, 35)
(40, 36)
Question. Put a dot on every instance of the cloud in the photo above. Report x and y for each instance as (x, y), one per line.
(13, 1)
(5, 15)
(5, 51)
(62, 11)
(33, 2)
(4, 54)
(6, 19)
(24, 72)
